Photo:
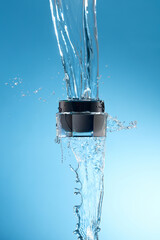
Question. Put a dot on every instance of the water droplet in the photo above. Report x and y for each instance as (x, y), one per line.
(37, 90)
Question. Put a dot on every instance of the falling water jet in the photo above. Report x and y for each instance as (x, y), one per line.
(81, 118)
(81, 122)
(89, 153)
(75, 28)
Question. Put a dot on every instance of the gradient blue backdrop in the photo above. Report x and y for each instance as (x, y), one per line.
(36, 190)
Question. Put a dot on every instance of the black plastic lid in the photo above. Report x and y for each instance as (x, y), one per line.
(81, 106)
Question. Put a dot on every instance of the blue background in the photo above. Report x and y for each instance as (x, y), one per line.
(36, 190)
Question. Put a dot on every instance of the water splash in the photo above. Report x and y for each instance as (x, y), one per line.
(75, 28)
(115, 125)
(89, 153)
(90, 156)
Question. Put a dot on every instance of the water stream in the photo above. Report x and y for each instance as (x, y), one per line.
(75, 28)
(89, 172)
